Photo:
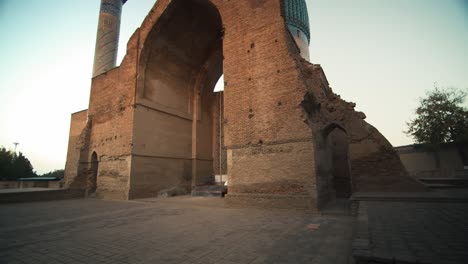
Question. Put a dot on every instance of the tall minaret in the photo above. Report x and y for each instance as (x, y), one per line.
(107, 40)
(297, 19)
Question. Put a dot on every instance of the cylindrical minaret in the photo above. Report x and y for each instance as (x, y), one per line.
(107, 40)
(297, 19)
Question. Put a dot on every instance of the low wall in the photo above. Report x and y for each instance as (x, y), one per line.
(39, 195)
(9, 185)
(421, 161)
(30, 184)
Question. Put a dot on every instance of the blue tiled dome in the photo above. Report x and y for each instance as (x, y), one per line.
(295, 14)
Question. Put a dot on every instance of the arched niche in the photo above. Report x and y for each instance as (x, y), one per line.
(182, 51)
(92, 177)
(334, 173)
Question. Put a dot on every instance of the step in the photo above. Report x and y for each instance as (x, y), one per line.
(440, 185)
(449, 181)
(209, 191)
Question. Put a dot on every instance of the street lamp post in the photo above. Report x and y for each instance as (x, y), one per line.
(16, 144)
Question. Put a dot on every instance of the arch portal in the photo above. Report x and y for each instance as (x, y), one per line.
(332, 157)
(94, 168)
(177, 112)
(338, 143)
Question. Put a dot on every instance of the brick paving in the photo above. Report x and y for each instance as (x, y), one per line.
(173, 230)
(417, 232)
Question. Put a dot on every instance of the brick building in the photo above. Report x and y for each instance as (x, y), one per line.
(278, 131)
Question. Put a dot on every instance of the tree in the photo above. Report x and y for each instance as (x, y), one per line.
(56, 173)
(5, 163)
(21, 167)
(13, 166)
(440, 118)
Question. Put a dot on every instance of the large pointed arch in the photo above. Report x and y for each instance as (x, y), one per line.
(175, 114)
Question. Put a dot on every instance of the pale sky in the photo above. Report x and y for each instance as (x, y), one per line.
(381, 54)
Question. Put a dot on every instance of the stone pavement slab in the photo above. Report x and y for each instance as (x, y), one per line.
(412, 232)
(172, 230)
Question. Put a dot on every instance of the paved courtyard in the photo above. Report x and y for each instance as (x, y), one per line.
(418, 232)
(173, 230)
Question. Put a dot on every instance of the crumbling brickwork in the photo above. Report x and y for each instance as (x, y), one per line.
(374, 164)
(76, 142)
(153, 121)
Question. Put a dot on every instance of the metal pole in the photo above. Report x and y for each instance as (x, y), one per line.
(16, 144)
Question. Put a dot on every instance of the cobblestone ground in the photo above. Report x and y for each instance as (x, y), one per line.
(419, 232)
(174, 230)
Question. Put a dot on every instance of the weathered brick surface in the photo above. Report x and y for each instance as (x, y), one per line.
(374, 164)
(270, 150)
(77, 126)
(153, 121)
(107, 131)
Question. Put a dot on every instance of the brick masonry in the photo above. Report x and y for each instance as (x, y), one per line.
(152, 121)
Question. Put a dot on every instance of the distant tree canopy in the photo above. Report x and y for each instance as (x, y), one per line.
(440, 118)
(14, 166)
(55, 173)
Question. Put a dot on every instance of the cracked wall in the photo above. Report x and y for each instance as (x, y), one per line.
(374, 164)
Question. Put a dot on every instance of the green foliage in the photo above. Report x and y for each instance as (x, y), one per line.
(5, 163)
(56, 173)
(14, 166)
(440, 118)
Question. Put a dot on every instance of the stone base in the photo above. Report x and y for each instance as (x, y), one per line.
(273, 201)
(209, 191)
(112, 194)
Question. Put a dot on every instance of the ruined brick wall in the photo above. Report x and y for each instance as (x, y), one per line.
(151, 121)
(173, 118)
(105, 128)
(111, 119)
(270, 151)
(76, 142)
(375, 166)
(264, 130)
(111, 125)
